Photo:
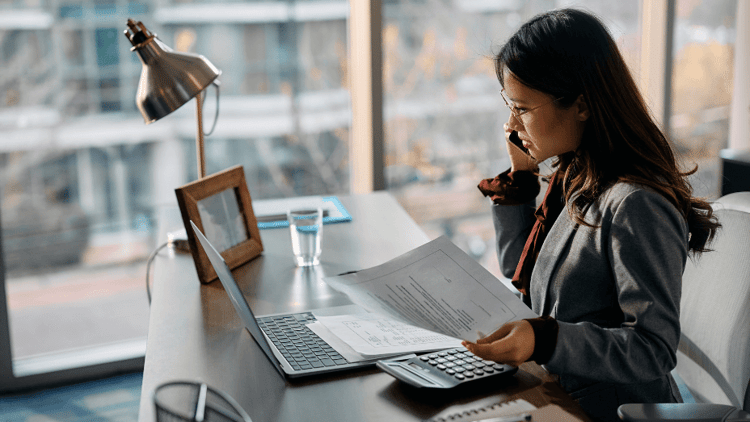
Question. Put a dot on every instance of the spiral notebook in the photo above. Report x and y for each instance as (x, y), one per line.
(510, 411)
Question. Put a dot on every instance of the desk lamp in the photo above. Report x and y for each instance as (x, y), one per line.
(170, 79)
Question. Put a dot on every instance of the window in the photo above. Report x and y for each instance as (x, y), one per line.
(702, 80)
(71, 11)
(443, 116)
(109, 91)
(107, 53)
(72, 46)
(84, 177)
(256, 80)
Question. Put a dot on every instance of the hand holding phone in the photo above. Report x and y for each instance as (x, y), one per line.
(515, 140)
(520, 159)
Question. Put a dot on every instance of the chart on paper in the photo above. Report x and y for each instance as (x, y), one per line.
(375, 335)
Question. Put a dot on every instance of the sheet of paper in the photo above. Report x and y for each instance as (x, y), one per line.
(335, 342)
(373, 335)
(437, 287)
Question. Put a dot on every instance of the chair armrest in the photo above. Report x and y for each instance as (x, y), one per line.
(680, 412)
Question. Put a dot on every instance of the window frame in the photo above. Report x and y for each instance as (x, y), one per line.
(364, 27)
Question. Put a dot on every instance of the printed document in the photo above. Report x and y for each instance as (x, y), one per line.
(438, 287)
(373, 335)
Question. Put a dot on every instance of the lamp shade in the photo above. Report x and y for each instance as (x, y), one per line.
(169, 79)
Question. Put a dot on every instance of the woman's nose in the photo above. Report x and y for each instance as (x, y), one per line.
(514, 123)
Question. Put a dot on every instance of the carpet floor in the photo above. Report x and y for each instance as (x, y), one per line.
(113, 399)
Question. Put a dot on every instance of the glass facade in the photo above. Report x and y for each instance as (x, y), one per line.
(83, 176)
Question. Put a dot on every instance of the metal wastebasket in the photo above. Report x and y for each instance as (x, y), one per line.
(186, 401)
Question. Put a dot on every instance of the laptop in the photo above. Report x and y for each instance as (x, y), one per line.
(293, 349)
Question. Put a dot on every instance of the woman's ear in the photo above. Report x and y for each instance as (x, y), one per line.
(583, 109)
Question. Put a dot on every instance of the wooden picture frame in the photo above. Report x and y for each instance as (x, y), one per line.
(230, 225)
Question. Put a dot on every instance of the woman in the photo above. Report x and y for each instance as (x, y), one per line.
(602, 258)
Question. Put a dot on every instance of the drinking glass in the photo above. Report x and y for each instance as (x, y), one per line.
(306, 227)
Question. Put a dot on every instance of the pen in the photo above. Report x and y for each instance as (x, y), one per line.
(279, 217)
(523, 417)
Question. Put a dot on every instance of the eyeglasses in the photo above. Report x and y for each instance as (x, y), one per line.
(517, 111)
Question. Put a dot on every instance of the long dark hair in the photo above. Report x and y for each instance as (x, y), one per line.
(567, 53)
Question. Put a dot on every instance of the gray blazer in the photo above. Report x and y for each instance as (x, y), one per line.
(614, 290)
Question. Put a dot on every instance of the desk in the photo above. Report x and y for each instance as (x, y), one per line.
(194, 333)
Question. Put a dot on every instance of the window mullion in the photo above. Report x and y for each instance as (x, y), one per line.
(366, 90)
(657, 22)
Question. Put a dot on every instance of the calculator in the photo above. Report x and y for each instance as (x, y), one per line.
(444, 369)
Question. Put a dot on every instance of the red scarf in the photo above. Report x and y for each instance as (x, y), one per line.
(546, 214)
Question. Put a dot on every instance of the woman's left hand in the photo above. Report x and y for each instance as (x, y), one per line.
(512, 344)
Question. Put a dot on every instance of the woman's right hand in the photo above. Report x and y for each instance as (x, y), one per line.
(519, 160)
(513, 343)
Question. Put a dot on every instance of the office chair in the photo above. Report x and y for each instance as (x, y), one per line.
(713, 357)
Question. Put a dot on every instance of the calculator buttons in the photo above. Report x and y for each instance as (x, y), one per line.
(459, 364)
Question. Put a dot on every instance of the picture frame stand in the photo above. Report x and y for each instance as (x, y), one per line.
(221, 207)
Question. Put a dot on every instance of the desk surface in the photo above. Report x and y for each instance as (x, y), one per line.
(194, 333)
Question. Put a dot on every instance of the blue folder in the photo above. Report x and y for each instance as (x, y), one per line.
(333, 211)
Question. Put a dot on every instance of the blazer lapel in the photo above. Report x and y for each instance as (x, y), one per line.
(547, 261)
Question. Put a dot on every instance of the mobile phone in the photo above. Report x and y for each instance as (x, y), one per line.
(515, 140)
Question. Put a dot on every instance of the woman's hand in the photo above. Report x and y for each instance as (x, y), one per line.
(519, 160)
(512, 344)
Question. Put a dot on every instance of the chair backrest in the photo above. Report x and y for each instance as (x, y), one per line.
(714, 356)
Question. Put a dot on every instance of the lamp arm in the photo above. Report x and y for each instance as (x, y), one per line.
(199, 145)
(199, 142)
(216, 115)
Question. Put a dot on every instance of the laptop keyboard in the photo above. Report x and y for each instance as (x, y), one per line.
(301, 347)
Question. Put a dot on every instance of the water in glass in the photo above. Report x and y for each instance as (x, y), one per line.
(306, 228)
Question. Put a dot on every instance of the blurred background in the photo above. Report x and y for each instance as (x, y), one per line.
(82, 177)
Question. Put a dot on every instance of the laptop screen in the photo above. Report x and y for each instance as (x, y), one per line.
(236, 297)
